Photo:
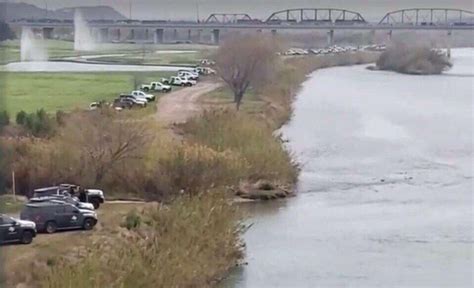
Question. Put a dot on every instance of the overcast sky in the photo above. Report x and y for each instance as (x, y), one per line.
(187, 9)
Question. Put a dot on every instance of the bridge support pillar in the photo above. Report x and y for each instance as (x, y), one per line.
(199, 32)
(132, 34)
(47, 32)
(175, 34)
(372, 39)
(189, 35)
(119, 36)
(215, 36)
(389, 36)
(448, 44)
(274, 32)
(330, 37)
(103, 35)
(158, 37)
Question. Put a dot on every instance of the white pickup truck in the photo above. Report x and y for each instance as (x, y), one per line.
(193, 75)
(179, 81)
(140, 94)
(156, 86)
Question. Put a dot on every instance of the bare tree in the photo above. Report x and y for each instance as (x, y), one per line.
(105, 141)
(244, 61)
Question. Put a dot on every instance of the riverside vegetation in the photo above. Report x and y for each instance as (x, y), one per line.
(420, 60)
(193, 236)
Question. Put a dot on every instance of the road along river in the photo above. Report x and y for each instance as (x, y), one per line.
(385, 193)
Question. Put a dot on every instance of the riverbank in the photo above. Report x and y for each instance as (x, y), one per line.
(250, 132)
(219, 149)
(385, 187)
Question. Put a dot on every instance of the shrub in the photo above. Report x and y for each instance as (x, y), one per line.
(247, 137)
(192, 168)
(132, 220)
(39, 124)
(413, 60)
(4, 119)
(186, 244)
(21, 117)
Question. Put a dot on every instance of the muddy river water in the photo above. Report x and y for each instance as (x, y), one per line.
(385, 192)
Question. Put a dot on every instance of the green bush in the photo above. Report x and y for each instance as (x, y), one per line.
(39, 124)
(21, 118)
(4, 119)
(132, 220)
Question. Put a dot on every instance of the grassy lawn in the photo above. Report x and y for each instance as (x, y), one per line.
(66, 91)
(134, 53)
(223, 97)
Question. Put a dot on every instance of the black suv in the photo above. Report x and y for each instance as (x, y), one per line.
(123, 103)
(56, 215)
(14, 230)
(93, 196)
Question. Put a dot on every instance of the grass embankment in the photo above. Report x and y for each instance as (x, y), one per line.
(185, 244)
(67, 91)
(249, 133)
(127, 53)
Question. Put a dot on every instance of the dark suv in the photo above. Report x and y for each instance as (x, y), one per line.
(56, 215)
(14, 230)
(93, 196)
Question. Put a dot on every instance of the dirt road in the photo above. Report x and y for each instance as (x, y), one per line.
(177, 107)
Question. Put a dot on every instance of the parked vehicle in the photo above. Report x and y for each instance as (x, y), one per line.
(14, 230)
(64, 198)
(156, 86)
(94, 106)
(122, 103)
(51, 216)
(205, 70)
(189, 74)
(179, 81)
(207, 62)
(143, 96)
(135, 100)
(94, 196)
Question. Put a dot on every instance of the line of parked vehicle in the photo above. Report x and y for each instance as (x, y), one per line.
(141, 98)
(334, 50)
(63, 207)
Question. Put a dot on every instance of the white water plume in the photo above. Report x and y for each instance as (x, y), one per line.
(32, 49)
(83, 40)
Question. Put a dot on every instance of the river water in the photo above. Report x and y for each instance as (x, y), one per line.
(385, 193)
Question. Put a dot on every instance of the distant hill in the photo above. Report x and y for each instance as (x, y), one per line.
(13, 11)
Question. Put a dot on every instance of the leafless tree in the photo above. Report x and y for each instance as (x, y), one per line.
(105, 141)
(244, 61)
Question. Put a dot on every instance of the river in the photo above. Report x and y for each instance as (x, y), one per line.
(385, 192)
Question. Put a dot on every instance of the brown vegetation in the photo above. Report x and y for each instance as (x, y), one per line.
(413, 60)
(185, 244)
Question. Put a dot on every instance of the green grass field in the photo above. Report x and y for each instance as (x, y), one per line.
(133, 53)
(67, 91)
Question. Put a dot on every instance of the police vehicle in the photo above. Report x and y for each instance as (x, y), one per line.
(54, 215)
(15, 230)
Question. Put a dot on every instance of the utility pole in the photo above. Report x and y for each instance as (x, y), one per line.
(13, 185)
